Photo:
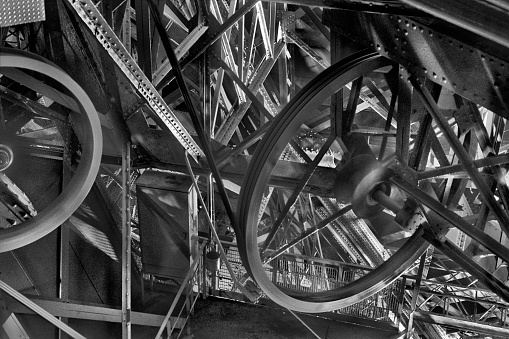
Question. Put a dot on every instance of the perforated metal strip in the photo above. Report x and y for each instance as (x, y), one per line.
(112, 44)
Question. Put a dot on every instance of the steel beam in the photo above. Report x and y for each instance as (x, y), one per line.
(203, 138)
(105, 35)
(74, 310)
(126, 239)
(39, 310)
(403, 119)
(211, 37)
(415, 296)
(485, 18)
(421, 49)
(389, 7)
(479, 163)
(310, 169)
(469, 265)
(306, 234)
(460, 324)
(454, 219)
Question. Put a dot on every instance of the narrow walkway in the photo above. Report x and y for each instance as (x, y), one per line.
(223, 319)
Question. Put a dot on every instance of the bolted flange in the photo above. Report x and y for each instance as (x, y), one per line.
(356, 182)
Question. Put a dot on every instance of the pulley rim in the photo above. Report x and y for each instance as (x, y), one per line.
(80, 184)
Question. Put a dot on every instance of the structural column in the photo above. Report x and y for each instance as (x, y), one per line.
(126, 240)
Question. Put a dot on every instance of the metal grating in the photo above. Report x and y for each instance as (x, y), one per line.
(15, 12)
(382, 306)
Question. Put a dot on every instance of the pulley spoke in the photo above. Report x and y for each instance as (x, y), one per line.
(295, 194)
(454, 219)
(75, 191)
(306, 234)
(287, 229)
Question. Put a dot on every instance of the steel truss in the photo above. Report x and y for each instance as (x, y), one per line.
(408, 102)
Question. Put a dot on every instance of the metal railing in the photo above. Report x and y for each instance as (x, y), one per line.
(314, 277)
(192, 285)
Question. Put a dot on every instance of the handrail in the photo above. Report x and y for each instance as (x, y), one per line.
(188, 277)
(250, 295)
(187, 318)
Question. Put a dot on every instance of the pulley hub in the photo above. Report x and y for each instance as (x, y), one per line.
(6, 157)
(356, 182)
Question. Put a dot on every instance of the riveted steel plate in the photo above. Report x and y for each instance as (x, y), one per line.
(15, 12)
(466, 70)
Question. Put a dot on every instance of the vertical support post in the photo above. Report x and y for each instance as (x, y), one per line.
(63, 291)
(212, 211)
(208, 121)
(337, 98)
(107, 11)
(144, 39)
(272, 24)
(210, 199)
(2, 117)
(63, 230)
(240, 46)
(189, 296)
(126, 28)
(404, 114)
(415, 295)
(126, 239)
(401, 301)
(283, 76)
(204, 273)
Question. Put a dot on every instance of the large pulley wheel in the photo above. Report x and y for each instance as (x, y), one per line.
(295, 118)
(83, 178)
